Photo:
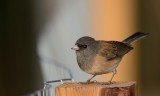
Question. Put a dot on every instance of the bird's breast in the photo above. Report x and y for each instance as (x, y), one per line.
(85, 61)
(101, 65)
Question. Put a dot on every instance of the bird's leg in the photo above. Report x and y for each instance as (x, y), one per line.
(91, 78)
(114, 72)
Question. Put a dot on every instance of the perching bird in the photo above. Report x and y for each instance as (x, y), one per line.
(98, 57)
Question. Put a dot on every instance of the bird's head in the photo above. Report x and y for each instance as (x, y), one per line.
(83, 43)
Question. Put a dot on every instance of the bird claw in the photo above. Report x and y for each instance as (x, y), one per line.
(111, 82)
(88, 81)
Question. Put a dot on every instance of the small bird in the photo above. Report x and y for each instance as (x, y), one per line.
(98, 57)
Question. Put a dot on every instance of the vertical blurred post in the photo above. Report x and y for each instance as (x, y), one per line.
(150, 57)
(115, 20)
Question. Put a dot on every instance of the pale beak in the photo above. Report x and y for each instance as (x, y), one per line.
(75, 48)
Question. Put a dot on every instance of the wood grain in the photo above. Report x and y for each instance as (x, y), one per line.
(96, 89)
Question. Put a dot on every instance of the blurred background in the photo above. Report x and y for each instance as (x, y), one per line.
(36, 37)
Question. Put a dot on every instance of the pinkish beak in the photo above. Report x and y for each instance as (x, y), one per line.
(75, 48)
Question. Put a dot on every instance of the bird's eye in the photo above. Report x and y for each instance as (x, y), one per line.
(84, 46)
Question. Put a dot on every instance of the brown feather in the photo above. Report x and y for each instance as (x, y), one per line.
(113, 49)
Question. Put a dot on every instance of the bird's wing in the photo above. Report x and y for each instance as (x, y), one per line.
(112, 49)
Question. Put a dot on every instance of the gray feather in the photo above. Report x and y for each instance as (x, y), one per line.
(135, 37)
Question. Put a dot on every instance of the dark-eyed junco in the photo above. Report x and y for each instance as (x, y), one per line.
(98, 57)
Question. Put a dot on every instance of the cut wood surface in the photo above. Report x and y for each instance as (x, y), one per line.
(96, 89)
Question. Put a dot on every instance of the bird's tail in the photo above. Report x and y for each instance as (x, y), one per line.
(135, 37)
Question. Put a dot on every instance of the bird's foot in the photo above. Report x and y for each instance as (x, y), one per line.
(90, 82)
(111, 82)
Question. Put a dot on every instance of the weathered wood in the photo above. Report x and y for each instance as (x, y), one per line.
(96, 89)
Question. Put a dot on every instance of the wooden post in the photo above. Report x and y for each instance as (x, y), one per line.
(96, 89)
